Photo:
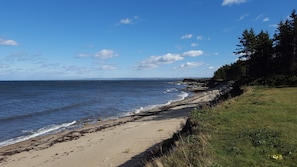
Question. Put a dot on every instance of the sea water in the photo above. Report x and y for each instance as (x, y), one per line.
(32, 108)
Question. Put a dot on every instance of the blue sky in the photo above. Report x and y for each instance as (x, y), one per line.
(84, 39)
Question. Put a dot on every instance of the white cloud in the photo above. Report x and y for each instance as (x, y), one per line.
(194, 44)
(231, 2)
(190, 65)
(266, 19)
(155, 61)
(165, 59)
(126, 21)
(243, 16)
(106, 54)
(273, 25)
(258, 17)
(193, 53)
(8, 42)
(108, 67)
(187, 36)
(199, 37)
(129, 20)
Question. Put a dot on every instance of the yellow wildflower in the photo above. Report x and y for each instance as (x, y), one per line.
(277, 156)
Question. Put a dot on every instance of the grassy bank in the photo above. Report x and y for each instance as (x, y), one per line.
(257, 128)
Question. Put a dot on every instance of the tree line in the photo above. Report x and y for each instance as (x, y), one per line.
(265, 60)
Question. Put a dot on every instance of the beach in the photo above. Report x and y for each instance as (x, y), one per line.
(119, 142)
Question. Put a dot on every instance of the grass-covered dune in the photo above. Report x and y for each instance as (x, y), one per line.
(258, 128)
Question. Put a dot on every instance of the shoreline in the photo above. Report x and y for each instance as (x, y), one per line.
(175, 112)
(103, 122)
(73, 134)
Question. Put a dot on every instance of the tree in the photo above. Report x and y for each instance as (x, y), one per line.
(286, 45)
(246, 46)
(221, 73)
(261, 59)
(264, 59)
(293, 24)
(235, 71)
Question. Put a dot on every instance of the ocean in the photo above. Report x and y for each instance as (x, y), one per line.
(32, 108)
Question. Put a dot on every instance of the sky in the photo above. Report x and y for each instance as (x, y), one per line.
(99, 39)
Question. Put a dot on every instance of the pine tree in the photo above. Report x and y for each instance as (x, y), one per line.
(261, 58)
(286, 45)
(246, 46)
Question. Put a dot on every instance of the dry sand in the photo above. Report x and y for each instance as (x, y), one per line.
(121, 142)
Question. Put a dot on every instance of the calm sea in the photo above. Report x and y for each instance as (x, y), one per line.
(33, 108)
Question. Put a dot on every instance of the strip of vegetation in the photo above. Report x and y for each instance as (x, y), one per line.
(257, 128)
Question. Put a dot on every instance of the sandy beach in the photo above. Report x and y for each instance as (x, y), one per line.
(121, 142)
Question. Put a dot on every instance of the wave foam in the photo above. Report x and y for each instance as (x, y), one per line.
(170, 90)
(39, 132)
(181, 96)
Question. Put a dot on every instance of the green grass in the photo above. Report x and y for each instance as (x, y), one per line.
(257, 128)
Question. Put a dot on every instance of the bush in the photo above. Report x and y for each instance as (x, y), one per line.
(276, 81)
